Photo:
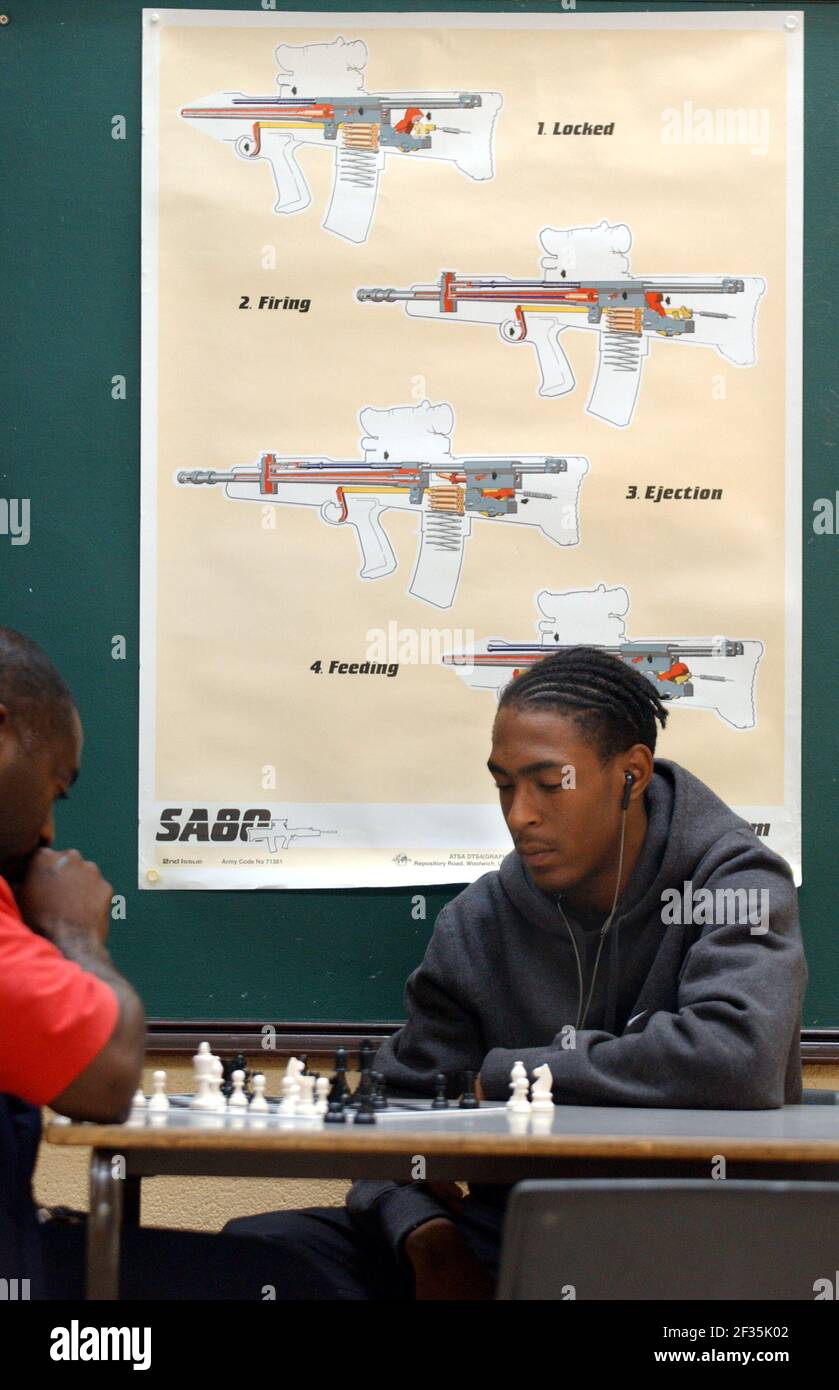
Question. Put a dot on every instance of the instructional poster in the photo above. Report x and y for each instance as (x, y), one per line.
(466, 337)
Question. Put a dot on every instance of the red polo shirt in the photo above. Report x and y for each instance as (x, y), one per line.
(54, 1016)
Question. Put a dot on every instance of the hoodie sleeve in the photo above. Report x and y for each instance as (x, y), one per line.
(442, 1034)
(727, 1042)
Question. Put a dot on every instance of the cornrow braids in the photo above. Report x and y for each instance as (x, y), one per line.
(613, 705)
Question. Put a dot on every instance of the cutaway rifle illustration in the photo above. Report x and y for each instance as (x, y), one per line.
(588, 284)
(278, 834)
(710, 673)
(322, 101)
(408, 465)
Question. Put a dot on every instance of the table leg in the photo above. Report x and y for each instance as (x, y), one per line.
(104, 1228)
(131, 1202)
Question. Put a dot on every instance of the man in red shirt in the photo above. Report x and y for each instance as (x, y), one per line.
(72, 1029)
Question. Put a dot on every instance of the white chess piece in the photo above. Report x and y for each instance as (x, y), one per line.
(306, 1103)
(202, 1071)
(238, 1100)
(519, 1085)
(259, 1104)
(159, 1099)
(541, 1092)
(139, 1102)
(322, 1095)
(291, 1087)
(218, 1099)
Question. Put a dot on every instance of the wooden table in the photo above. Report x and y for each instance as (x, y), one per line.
(488, 1145)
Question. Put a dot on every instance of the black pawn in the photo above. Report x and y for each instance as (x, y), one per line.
(439, 1102)
(469, 1101)
(380, 1101)
(335, 1114)
(366, 1114)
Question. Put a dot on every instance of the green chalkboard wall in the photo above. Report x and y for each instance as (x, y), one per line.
(70, 246)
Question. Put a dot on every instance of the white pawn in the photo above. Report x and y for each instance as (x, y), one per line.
(519, 1085)
(159, 1099)
(322, 1094)
(259, 1104)
(238, 1100)
(306, 1103)
(139, 1102)
(541, 1092)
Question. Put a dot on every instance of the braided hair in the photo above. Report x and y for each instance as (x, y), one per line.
(613, 705)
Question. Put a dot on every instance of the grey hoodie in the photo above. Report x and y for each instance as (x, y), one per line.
(684, 1013)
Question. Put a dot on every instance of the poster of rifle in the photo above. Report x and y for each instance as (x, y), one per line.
(466, 337)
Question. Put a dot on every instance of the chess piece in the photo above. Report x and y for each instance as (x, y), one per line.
(291, 1087)
(217, 1097)
(541, 1092)
(306, 1101)
(340, 1091)
(380, 1101)
(238, 1100)
(139, 1102)
(519, 1085)
(335, 1113)
(321, 1095)
(202, 1071)
(159, 1100)
(469, 1101)
(259, 1104)
(439, 1102)
(366, 1114)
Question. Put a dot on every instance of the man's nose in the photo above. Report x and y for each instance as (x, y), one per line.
(522, 811)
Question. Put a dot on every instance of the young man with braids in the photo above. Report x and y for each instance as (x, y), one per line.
(572, 954)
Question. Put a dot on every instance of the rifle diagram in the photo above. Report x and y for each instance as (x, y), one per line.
(588, 284)
(278, 834)
(711, 673)
(408, 465)
(322, 101)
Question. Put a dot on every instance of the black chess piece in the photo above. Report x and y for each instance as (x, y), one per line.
(439, 1102)
(340, 1091)
(335, 1114)
(469, 1101)
(365, 1087)
(366, 1114)
(227, 1069)
(380, 1100)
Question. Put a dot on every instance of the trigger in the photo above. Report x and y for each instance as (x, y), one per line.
(515, 332)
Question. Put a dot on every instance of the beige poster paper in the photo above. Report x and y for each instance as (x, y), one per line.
(464, 337)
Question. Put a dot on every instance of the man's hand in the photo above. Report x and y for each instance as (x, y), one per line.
(63, 892)
(444, 1266)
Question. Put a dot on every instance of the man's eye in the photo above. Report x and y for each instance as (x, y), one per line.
(503, 787)
(550, 786)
